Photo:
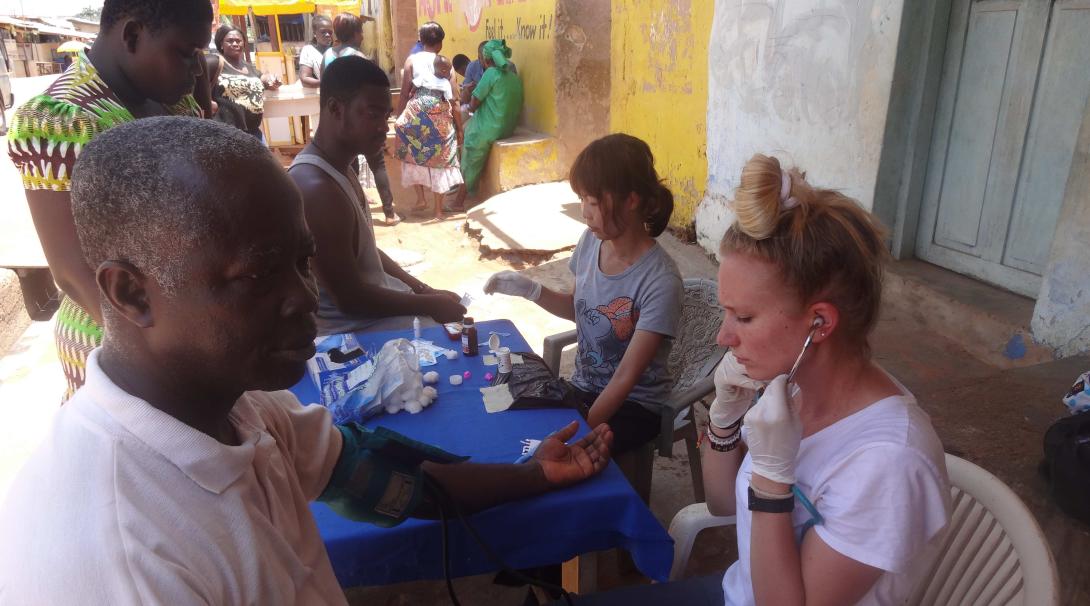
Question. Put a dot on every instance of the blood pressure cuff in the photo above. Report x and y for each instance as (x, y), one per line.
(378, 478)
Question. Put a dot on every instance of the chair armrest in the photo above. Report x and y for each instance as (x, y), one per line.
(683, 529)
(699, 390)
(554, 345)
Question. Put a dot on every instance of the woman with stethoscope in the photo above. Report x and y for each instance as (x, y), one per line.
(835, 476)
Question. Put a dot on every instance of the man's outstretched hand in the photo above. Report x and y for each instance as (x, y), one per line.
(565, 464)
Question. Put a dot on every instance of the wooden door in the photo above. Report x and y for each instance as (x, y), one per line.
(1014, 88)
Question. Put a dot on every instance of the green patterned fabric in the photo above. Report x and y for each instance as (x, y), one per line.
(46, 136)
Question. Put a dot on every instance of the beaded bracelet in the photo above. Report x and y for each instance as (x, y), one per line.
(721, 444)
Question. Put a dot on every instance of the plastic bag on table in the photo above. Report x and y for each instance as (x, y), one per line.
(395, 384)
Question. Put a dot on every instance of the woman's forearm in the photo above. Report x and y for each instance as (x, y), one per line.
(559, 304)
(774, 560)
(51, 212)
(775, 565)
(720, 471)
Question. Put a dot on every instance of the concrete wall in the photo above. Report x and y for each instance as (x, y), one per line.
(402, 28)
(527, 25)
(582, 76)
(1061, 318)
(659, 92)
(806, 80)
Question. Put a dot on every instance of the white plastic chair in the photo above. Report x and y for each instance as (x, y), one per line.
(993, 553)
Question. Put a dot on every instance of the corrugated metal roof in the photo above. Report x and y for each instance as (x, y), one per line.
(46, 29)
(60, 31)
(19, 22)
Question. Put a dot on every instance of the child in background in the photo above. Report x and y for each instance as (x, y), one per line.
(628, 291)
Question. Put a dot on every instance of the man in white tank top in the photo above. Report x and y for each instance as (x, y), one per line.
(360, 287)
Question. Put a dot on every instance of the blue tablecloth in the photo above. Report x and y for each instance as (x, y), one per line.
(602, 513)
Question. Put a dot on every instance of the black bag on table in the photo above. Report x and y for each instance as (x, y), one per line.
(1067, 464)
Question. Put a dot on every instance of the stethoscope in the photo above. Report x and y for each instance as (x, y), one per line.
(815, 517)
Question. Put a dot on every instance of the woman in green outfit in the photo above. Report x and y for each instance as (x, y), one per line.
(496, 103)
(145, 62)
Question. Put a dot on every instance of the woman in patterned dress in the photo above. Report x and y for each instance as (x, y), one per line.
(241, 81)
(428, 128)
(144, 62)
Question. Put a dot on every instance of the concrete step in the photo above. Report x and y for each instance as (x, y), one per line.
(993, 325)
(525, 158)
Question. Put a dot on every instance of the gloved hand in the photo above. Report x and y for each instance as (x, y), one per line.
(775, 432)
(734, 392)
(514, 284)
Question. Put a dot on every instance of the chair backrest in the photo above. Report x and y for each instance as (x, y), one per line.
(994, 552)
(695, 354)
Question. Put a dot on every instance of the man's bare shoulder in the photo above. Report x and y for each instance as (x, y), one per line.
(319, 189)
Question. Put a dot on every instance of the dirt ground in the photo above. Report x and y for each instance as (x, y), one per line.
(13, 317)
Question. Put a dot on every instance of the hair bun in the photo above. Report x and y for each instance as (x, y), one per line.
(759, 200)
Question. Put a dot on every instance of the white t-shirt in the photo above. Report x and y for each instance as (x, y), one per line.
(311, 56)
(124, 504)
(878, 478)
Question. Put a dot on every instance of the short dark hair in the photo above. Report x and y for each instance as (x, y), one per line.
(346, 76)
(460, 62)
(221, 35)
(621, 164)
(134, 191)
(431, 33)
(346, 26)
(156, 14)
(319, 19)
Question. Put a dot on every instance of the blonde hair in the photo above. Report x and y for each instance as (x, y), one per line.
(826, 246)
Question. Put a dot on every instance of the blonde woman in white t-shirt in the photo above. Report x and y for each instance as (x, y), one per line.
(836, 476)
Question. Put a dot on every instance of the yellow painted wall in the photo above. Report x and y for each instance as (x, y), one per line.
(527, 25)
(659, 89)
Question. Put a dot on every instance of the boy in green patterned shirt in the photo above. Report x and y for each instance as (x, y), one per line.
(144, 62)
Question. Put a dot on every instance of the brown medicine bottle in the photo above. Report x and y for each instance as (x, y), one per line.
(469, 337)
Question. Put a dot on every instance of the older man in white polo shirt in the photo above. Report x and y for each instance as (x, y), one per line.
(175, 476)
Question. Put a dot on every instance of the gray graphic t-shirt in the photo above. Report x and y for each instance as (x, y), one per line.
(610, 309)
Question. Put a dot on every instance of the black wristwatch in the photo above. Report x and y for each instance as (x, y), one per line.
(784, 505)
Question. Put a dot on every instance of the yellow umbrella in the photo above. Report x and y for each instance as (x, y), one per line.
(72, 46)
(283, 7)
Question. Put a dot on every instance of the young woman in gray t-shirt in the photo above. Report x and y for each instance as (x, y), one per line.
(628, 291)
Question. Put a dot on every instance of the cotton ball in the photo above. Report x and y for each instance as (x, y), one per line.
(414, 407)
(451, 354)
(431, 377)
(392, 409)
(455, 379)
(430, 393)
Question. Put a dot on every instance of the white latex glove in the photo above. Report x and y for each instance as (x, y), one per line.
(514, 284)
(734, 392)
(775, 432)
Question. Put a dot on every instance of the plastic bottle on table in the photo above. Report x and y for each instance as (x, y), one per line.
(469, 337)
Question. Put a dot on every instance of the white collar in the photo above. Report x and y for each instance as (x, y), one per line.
(211, 464)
